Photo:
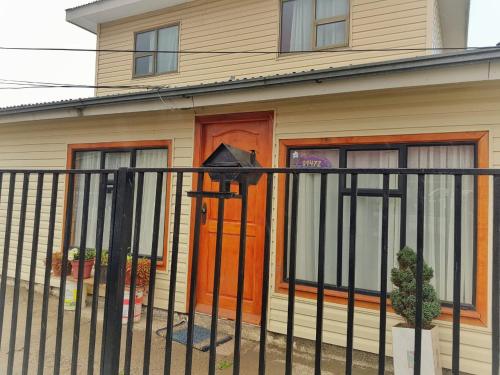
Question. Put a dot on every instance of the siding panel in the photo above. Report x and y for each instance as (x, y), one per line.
(254, 25)
(410, 111)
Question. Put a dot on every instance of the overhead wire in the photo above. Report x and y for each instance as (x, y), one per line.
(11, 84)
(226, 52)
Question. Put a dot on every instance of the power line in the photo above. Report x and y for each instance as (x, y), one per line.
(10, 84)
(258, 52)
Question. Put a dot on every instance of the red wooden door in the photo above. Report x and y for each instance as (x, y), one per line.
(247, 132)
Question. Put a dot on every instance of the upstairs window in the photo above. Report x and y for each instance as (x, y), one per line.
(149, 62)
(313, 24)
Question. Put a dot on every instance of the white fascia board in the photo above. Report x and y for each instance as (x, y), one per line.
(91, 15)
(454, 19)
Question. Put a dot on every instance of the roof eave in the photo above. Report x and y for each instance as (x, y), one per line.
(89, 16)
(388, 67)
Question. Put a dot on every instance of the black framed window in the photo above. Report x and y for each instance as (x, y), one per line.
(438, 221)
(114, 159)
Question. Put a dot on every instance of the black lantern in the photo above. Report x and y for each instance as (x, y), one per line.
(227, 156)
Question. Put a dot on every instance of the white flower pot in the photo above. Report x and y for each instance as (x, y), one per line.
(403, 349)
(137, 305)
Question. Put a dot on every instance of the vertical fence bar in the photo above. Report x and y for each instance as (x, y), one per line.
(457, 271)
(173, 273)
(194, 276)
(495, 290)
(120, 242)
(223, 187)
(31, 288)
(340, 218)
(321, 274)
(17, 276)
(241, 276)
(101, 202)
(383, 276)
(48, 268)
(6, 250)
(133, 272)
(265, 275)
(110, 246)
(152, 272)
(420, 271)
(64, 271)
(79, 284)
(291, 275)
(352, 273)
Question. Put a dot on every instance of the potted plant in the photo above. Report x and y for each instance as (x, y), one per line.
(57, 264)
(141, 286)
(403, 300)
(74, 257)
(104, 266)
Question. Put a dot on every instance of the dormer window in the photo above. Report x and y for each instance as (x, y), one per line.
(313, 24)
(147, 61)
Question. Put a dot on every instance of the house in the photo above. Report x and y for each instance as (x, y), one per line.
(380, 88)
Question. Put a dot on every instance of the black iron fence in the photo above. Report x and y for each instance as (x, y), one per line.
(109, 206)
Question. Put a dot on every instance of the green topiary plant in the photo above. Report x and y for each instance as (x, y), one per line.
(404, 297)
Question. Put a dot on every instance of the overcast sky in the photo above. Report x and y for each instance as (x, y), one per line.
(39, 23)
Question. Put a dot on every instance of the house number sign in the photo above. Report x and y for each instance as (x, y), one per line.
(318, 158)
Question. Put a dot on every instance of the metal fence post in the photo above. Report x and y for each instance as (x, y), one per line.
(495, 290)
(120, 243)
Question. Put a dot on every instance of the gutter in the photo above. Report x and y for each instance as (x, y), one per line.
(425, 62)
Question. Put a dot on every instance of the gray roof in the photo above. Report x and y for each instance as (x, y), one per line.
(446, 59)
(84, 5)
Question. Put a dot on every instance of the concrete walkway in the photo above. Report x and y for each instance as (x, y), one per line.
(303, 354)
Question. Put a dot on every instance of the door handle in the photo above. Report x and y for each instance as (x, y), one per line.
(204, 213)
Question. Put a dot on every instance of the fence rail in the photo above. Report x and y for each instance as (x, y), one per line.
(124, 210)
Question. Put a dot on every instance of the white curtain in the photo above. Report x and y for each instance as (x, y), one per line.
(369, 220)
(331, 8)
(308, 228)
(86, 160)
(369, 240)
(301, 27)
(439, 216)
(168, 40)
(372, 159)
(331, 33)
(113, 160)
(151, 159)
(309, 215)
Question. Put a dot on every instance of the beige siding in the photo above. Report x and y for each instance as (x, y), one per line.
(411, 111)
(44, 145)
(228, 25)
(403, 112)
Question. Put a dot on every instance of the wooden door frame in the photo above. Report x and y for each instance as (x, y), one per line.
(200, 122)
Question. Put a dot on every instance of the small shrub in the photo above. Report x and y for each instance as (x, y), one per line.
(74, 254)
(404, 296)
(143, 272)
(224, 364)
(104, 258)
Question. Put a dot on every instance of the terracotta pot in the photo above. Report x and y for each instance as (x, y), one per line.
(87, 268)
